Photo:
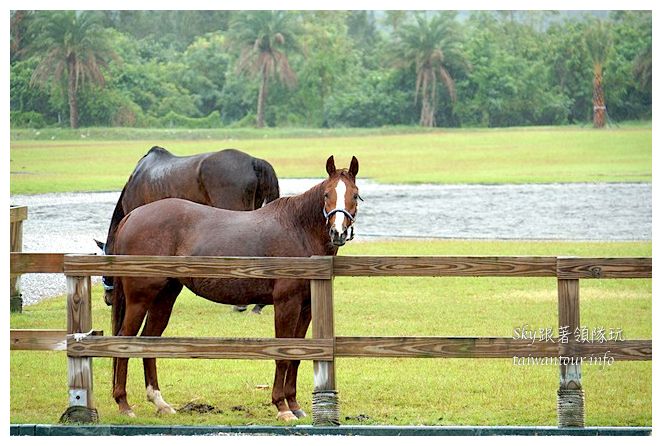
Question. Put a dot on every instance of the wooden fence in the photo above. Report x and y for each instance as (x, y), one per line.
(17, 214)
(325, 346)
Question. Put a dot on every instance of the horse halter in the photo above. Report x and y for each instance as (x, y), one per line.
(106, 286)
(328, 215)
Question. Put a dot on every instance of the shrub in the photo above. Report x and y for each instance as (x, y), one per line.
(29, 119)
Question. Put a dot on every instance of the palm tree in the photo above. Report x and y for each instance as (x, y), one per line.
(72, 48)
(264, 39)
(598, 43)
(431, 46)
(643, 67)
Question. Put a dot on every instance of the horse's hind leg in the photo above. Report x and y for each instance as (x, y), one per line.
(133, 319)
(157, 321)
(293, 368)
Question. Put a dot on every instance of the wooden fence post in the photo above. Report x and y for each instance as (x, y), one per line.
(325, 395)
(79, 323)
(16, 216)
(570, 396)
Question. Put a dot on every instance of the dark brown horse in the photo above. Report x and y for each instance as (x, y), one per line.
(316, 222)
(228, 179)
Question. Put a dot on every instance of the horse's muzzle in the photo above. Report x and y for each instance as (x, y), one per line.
(339, 239)
(108, 298)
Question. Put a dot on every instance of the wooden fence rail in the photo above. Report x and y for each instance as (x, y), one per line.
(325, 346)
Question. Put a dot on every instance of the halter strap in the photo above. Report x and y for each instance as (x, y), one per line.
(328, 215)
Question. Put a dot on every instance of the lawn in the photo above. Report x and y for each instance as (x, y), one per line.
(522, 155)
(379, 391)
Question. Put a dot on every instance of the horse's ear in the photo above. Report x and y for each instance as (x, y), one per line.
(330, 166)
(354, 167)
(101, 245)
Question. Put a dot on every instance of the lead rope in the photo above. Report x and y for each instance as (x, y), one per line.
(80, 336)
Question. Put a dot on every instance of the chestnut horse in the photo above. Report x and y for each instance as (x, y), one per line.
(314, 223)
(227, 179)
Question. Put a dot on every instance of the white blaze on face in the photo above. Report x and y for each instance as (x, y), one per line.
(340, 204)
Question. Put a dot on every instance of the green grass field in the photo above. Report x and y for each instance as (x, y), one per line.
(99, 161)
(387, 391)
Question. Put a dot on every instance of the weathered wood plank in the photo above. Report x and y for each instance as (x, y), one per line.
(18, 213)
(483, 347)
(55, 340)
(28, 263)
(35, 339)
(629, 350)
(568, 308)
(217, 267)
(15, 244)
(322, 319)
(79, 320)
(206, 348)
(441, 347)
(444, 266)
(605, 268)
(404, 347)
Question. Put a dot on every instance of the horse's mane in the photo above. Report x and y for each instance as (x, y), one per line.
(307, 207)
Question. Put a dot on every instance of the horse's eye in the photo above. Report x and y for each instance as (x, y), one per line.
(356, 196)
(326, 195)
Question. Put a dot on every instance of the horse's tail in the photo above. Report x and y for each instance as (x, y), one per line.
(119, 305)
(119, 308)
(267, 183)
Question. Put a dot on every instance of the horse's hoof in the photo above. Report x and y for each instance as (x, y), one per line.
(286, 416)
(128, 413)
(240, 308)
(165, 410)
(299, 413)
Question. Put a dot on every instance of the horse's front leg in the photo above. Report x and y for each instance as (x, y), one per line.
(286, 317)
(291, 376)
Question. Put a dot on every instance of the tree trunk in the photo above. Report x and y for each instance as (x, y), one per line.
(427, 113)
(262, 99)
(71, 91)
(599, 109)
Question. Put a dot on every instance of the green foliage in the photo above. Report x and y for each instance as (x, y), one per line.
(28, 119)
(336, 67)
(172, 119)
(374, 101)
(72, 49)
(204, 71)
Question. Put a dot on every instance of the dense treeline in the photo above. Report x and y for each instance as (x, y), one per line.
(328, 68)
